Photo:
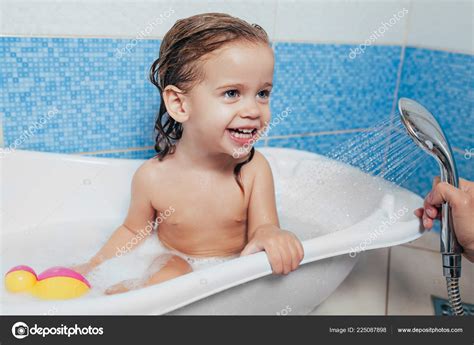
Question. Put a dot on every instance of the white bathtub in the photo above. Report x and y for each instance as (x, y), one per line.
(58, 209)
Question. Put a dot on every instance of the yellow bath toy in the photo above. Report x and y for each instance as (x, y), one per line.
(54, 283)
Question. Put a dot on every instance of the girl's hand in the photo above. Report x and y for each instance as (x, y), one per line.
(283, 248)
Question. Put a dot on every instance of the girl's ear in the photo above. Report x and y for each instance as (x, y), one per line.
(175, 103)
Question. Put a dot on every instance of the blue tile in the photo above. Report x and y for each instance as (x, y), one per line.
(465, 165)
(99, 100)
(443, 82)
(103, 101)
(327, 90)
(420, 181)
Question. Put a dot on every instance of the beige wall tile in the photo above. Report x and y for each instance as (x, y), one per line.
(429, 241)
(415, 275)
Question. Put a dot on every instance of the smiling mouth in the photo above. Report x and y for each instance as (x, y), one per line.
(242, 133)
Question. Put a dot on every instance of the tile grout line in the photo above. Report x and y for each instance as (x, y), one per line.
(420, 248)
(394, 105)
(397, 84)
(387, 287)
(266, 139)
(160, 38)
(130, 149)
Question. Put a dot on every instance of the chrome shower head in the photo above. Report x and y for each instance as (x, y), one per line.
(426, 132)
(423, 128)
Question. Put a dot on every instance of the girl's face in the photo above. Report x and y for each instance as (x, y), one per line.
(230, 107)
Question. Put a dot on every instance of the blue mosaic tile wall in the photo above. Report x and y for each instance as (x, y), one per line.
(328, 91)
(321, 144)
(105, 102)
(444, 83)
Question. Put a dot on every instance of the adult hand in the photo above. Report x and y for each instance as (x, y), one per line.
(461, 201)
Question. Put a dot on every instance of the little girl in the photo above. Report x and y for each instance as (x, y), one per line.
(214, 74)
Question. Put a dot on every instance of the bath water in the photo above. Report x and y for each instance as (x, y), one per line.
(69, 244)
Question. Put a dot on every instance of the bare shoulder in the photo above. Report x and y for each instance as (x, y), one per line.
(257, 166)
(150, 171)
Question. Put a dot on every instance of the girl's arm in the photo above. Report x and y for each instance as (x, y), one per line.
(262, 206)
(283, 248)
(136, 225)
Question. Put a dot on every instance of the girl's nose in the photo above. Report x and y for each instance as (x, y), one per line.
(251, 110)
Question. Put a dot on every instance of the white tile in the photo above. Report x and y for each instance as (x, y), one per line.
(363, 291)
(326, 21)
(120, 19)
(415, 275)
(442, 24)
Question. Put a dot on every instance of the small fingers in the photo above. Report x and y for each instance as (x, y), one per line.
(275, 259)
(299, 255)
(300, 249)
(285, 253)
(295, 251)
(287, 257)
(295, 256)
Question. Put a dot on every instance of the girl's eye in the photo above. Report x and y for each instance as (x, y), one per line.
(231, 93)
(264, 94)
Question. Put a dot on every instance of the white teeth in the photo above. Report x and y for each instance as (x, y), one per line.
(241, 135)
(246, 130)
